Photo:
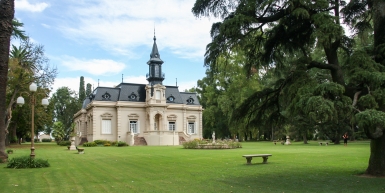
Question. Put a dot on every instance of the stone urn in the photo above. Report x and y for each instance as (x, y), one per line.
(287, 140)
(72, 147)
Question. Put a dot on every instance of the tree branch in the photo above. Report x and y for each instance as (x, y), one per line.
(320, 65)
(355, 98)
(377, 134)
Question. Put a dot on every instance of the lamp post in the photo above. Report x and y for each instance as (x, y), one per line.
(44, 102)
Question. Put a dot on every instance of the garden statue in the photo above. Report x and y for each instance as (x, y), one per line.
(213, 136)
(132, 141)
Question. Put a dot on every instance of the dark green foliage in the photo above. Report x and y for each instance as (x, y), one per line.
(90, 144)
(101, 142)
(121, 144)
(373, 121)
(82, 91)
(65, 104)
(88, 90)
(64, 143)
(46, 140)
(13, 139)
(9, 151)
(26, 162)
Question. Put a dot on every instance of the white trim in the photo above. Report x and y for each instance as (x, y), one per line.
(138, 125)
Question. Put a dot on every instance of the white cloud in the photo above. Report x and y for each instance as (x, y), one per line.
(93, 66)
(46, 25)
(135, 79)
(74, 83)
(24, 5)
(186, 85)
(121, 26)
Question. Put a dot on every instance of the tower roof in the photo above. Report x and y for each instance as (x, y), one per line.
(155, 56)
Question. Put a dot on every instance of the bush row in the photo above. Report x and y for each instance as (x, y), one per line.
(105, 143)
(46, 140)
(205, 144)
(27, 162)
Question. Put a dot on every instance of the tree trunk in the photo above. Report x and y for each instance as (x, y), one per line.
(305, 137)
(7, 12)
(376, 165)
(352, 137)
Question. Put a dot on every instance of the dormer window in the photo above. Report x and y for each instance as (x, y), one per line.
(132, 97)
(190, 100)
(171, 98)
(106, 96)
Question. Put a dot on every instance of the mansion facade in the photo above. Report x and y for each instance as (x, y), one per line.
(140, 114)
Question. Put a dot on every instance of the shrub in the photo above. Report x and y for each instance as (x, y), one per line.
(234, 145)
(46, 140)
(89, 144)
(9, 151)
(191, 144)
(100, 142)
(121, 144)
(27, 162)
(13, 139)
(113, 143)
(64, 143)
(107, 144)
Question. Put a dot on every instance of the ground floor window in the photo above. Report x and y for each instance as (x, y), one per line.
(134, 126)
(191, 127)
(106, 126)
(171, 126)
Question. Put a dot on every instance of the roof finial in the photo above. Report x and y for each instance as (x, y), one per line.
(154, 33)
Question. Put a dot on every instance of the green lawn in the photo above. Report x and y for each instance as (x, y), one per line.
(293, 168)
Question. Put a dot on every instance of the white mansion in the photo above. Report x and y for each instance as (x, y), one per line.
(140, 114)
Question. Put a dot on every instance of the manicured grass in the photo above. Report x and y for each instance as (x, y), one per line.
(293, 168)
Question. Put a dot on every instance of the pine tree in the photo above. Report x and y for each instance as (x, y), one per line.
(82, 91)
(320, 78)
(88, 90)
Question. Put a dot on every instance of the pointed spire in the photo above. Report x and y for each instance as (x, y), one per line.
(154, 52)
(155, 56)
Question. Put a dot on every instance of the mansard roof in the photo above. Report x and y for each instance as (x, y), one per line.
(133, 92)
(189, 96)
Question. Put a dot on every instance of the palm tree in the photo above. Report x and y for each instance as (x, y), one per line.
(7, 12)
(17, 32)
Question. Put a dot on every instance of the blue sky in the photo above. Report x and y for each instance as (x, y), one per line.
(103, 39)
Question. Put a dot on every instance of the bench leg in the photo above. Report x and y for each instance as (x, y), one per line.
(265, 160)
(248, 159)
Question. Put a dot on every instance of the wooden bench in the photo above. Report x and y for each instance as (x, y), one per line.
(80, 150)
(326, 143)
(250, 157)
